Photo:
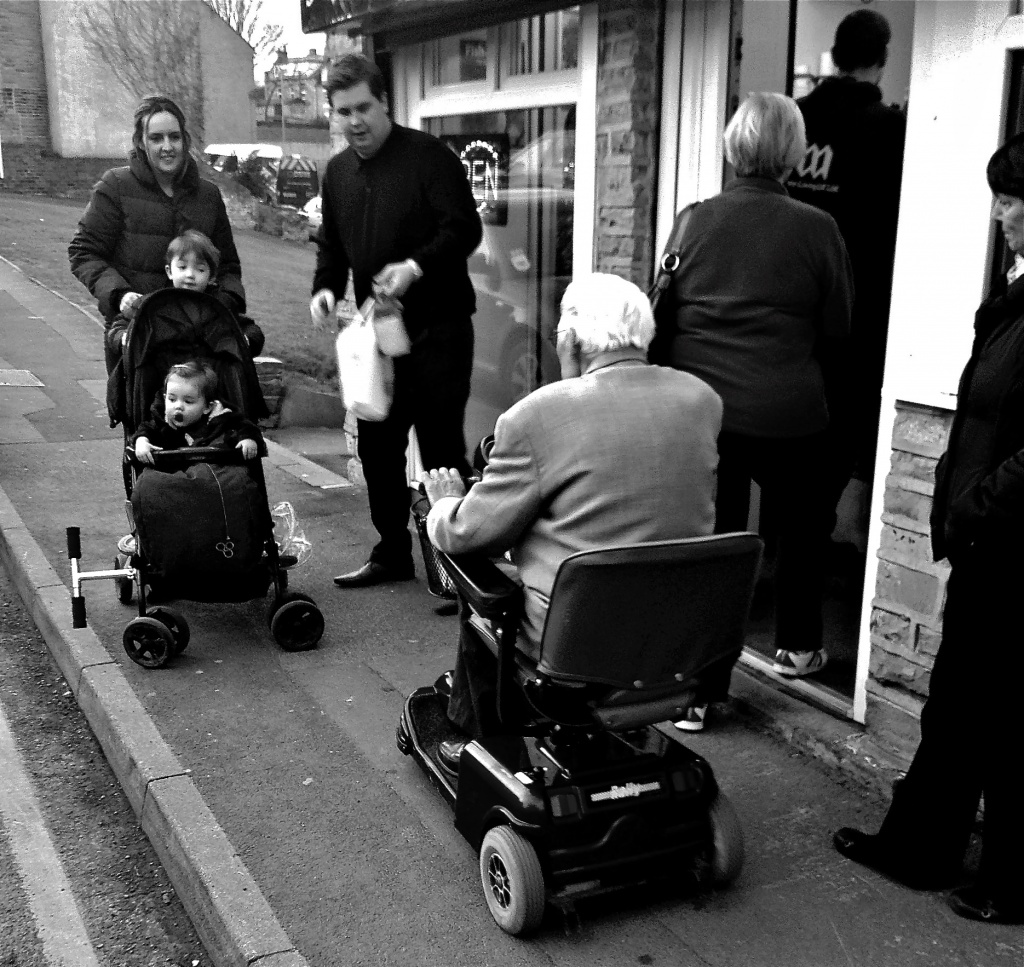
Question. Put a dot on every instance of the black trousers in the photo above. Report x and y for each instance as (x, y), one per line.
(791, 473)
(431, 392)
(970, 736)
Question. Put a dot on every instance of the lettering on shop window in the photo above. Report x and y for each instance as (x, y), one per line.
(485, 160)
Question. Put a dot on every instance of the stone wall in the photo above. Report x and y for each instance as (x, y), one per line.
(906, 614)
(628, 106)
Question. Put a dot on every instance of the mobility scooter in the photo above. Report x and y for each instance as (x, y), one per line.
(581, 794)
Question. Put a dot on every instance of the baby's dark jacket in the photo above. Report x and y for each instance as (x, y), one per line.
(225, 428)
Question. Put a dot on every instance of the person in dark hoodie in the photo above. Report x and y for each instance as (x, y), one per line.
(853, 169)
(970, 724)
(119, 250)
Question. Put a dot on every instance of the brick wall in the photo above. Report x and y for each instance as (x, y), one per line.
(906, 614)
(628, 105)
(24, 115)
(32, 169)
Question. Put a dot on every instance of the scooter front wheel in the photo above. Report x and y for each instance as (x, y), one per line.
(513, 880)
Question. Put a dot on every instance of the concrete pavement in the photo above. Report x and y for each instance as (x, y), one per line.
(269, 783)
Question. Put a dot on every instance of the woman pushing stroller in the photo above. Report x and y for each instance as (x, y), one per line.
(136, 210)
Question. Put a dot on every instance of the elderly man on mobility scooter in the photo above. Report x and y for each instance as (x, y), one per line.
(619, 458)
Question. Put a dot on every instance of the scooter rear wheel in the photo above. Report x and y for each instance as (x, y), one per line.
(727, 849)
(513, 880)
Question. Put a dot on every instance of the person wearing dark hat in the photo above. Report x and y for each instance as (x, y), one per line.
(852, 169)
(970, 724)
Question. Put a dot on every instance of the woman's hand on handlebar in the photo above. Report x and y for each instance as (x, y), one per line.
(129, 302)
(442, 482)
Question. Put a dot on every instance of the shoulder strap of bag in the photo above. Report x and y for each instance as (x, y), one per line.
(670, 260)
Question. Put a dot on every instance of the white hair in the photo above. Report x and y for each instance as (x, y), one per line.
(766, 136)
(607, 313)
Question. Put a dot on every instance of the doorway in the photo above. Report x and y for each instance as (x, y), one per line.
(785, 46)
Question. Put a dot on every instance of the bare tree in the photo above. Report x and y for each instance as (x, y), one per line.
(150, 48)
(245, 18)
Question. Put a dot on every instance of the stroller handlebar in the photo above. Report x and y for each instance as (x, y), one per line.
(189, 455)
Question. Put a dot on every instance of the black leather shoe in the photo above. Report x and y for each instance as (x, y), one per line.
(975, 903)
(448, 753)
(373, 573)
(868, 850)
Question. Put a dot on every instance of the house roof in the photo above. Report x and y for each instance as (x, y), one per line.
(395, 23)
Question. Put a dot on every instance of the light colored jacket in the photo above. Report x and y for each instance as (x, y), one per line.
(624, 454)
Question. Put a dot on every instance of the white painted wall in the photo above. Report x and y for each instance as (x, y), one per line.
(227, 61)
(954, 124)
(90, 112)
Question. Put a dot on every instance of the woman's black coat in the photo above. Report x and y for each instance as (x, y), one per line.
(122, 238)
(979, 482)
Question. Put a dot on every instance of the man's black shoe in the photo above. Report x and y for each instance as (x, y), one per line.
(448, 753)
(975, 903)
(373, 573)
(869, 851)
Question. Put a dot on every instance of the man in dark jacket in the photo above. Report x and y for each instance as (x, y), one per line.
(852, 170)
(398, 212)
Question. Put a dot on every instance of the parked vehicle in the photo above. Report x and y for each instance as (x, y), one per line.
(282, 179)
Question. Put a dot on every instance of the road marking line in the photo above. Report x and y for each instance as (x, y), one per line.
(61, 931)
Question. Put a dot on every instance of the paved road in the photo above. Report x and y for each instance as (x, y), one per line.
(80, 885)
(295, 756)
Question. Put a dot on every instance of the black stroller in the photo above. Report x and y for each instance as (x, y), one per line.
(201, 524)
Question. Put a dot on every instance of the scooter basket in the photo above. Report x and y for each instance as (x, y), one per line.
(439, 583)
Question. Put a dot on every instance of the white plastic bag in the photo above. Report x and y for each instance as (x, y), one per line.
(366, 375)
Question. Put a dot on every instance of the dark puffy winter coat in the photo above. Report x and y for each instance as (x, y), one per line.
(122, 238)
(979, 482)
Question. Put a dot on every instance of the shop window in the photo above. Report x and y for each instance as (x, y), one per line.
(542, 44)
(459, 59)
(520, 166)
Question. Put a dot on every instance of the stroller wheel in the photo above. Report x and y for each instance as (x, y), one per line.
(125, 586)
(148, 642)
(296, 622)
(175, 623)
(512, 879)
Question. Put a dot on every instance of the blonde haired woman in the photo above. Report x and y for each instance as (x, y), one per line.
(761, 297)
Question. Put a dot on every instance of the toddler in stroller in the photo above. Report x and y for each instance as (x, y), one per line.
(191, 399)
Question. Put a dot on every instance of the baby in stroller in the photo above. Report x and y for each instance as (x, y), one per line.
(189, 415)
